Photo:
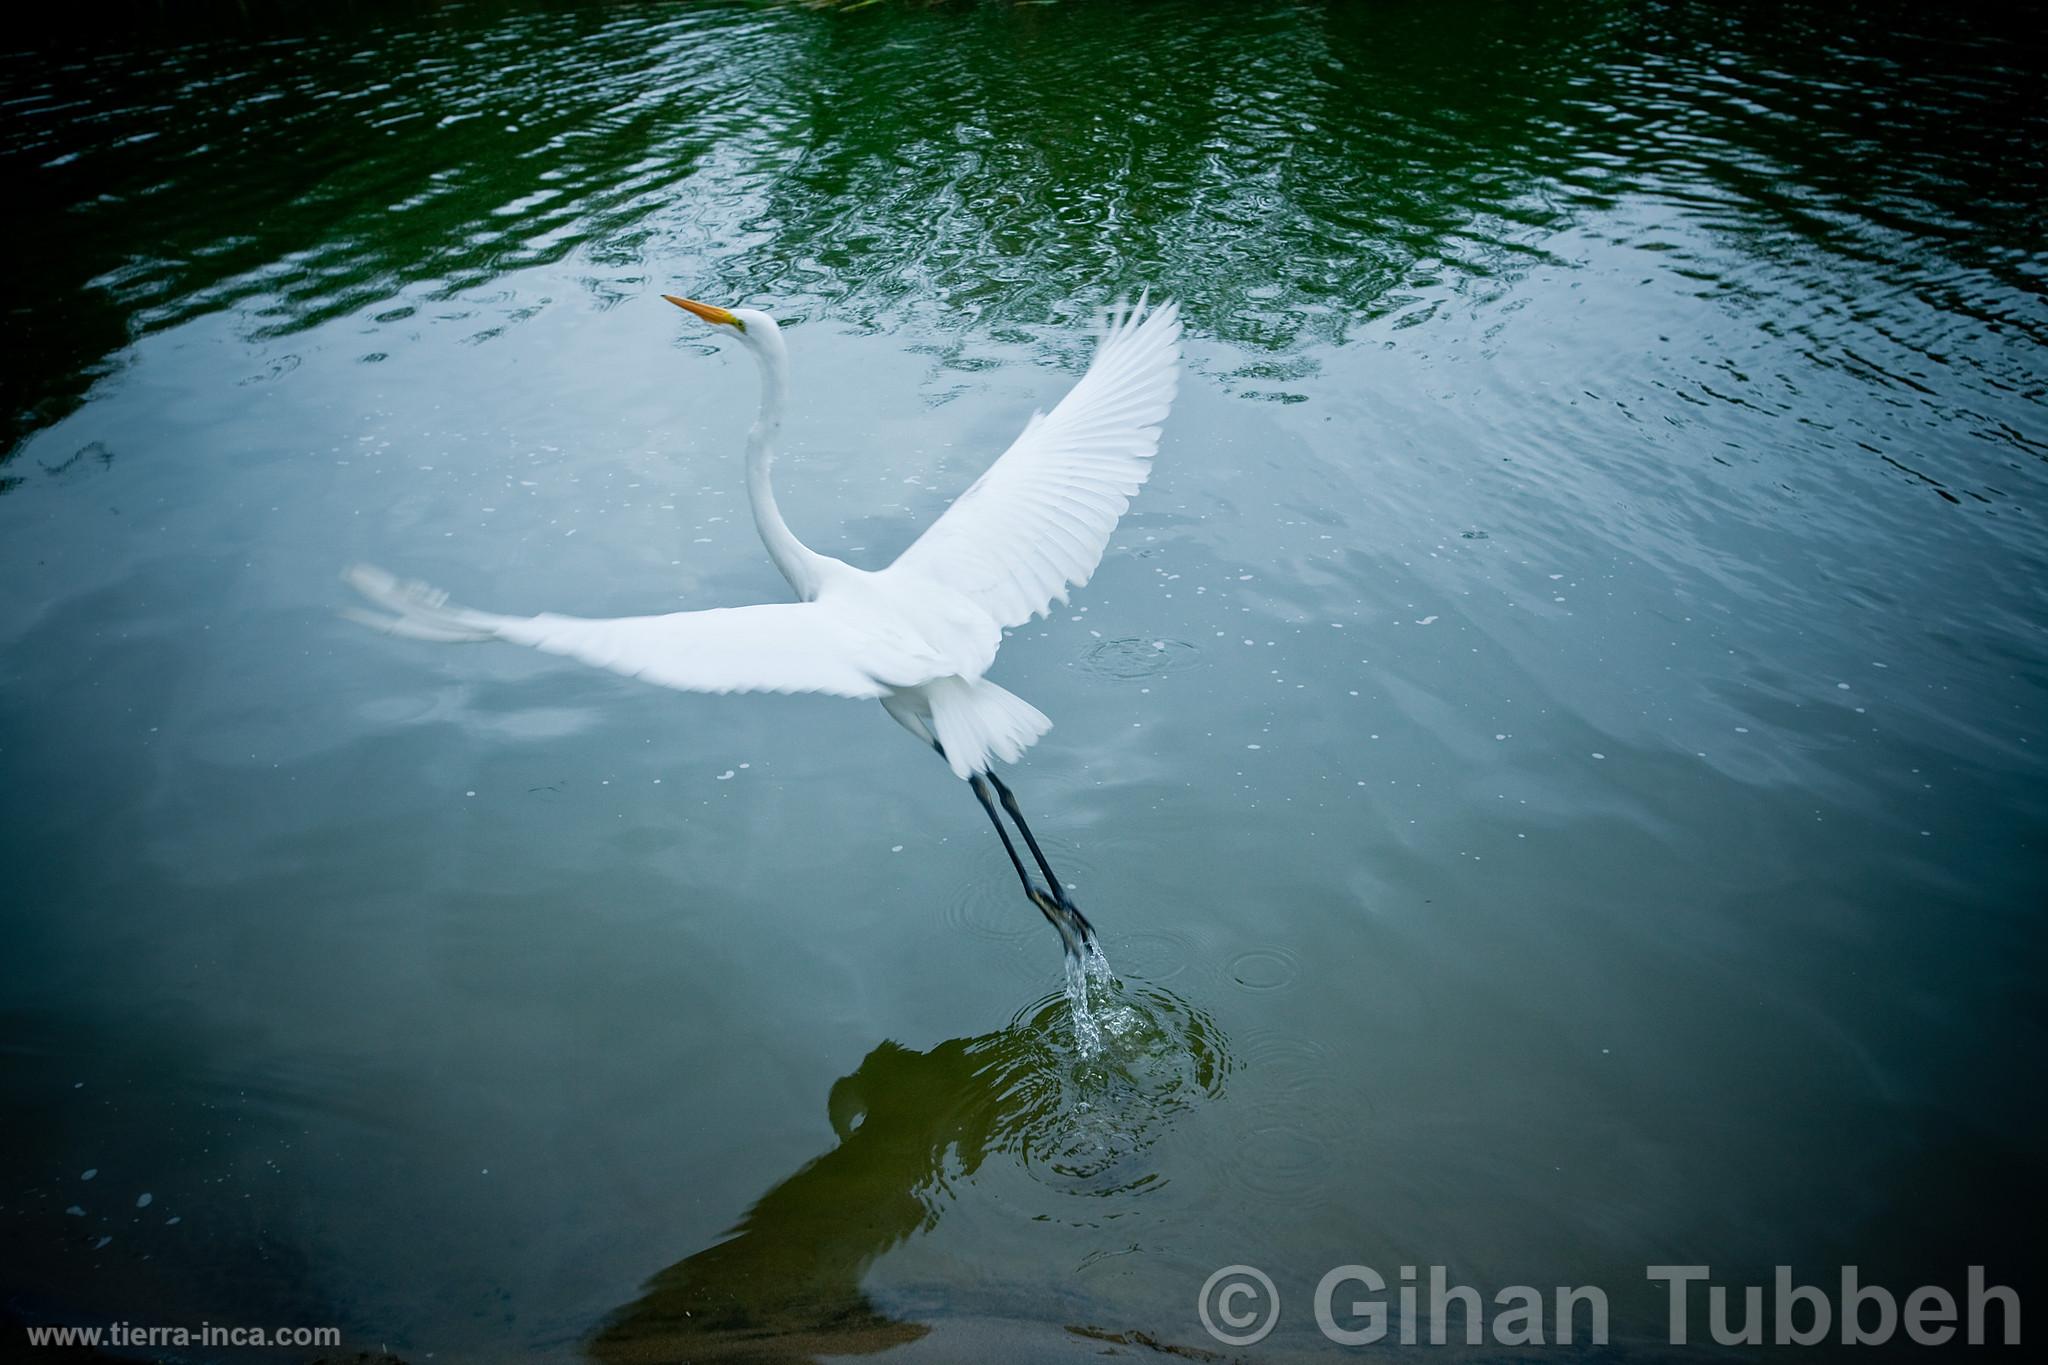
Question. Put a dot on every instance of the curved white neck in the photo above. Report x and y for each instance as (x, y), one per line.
(798, 563)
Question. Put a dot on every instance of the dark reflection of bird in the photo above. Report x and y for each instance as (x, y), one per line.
(785, 1284)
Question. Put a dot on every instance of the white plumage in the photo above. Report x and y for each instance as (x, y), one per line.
(1040, 518)
(918, 635)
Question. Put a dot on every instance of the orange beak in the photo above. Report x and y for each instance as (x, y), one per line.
(710, 312)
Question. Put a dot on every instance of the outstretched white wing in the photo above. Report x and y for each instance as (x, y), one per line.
(1040, 517)
(777, 647)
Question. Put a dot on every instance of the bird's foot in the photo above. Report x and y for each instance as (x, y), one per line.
(1074, 929)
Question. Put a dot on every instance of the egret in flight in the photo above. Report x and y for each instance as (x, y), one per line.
(920, 635)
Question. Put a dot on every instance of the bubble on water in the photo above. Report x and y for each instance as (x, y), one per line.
(1132, 657)
(1264, 969)
(1288, 1063)
(1157, 955)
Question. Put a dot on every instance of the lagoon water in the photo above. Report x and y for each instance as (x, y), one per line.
(1555, 753)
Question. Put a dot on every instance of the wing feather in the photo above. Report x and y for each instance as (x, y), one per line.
(1038, 521)
(775, 647)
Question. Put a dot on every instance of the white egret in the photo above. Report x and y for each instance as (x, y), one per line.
(918, 636)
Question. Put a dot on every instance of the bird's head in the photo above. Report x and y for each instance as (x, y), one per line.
(753, 327)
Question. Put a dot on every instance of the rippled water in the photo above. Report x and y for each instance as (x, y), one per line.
(1554, 754)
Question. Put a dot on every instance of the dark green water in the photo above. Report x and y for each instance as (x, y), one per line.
(1556, 752)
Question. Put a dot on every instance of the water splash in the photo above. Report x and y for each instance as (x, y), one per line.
(1090, 986)
(1103, 1067)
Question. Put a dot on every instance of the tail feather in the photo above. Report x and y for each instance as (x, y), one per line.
(978, 723)
(418, 612)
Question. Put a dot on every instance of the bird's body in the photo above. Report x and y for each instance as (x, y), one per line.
(920, 635)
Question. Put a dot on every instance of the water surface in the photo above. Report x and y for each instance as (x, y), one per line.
(1554, 753)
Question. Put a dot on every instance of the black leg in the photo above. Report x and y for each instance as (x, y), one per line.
(1059, 891)
(1062, 914)
(1010, 804)
(981, 794)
